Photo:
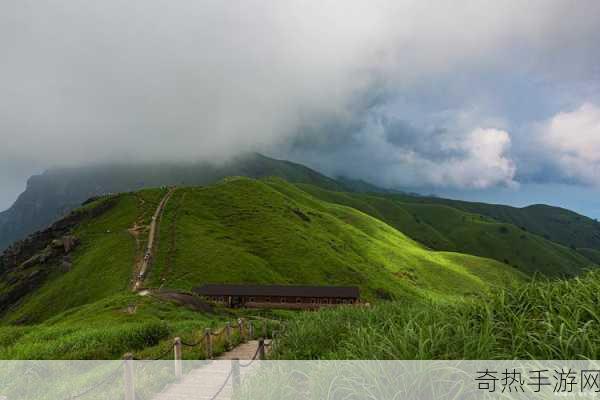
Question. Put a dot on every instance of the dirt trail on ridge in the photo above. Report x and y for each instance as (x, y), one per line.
(142, 270)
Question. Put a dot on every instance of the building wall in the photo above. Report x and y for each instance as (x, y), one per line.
(282, 300)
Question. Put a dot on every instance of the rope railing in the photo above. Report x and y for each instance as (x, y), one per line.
(186, 344)
(103, 382)
(245, 331)
(161, 356)
(223, 385)
(259, 350)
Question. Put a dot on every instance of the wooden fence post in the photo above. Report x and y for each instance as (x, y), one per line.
(208, 339)
(261, 349)
(178, 364)
(128, 377)
(228, 334)
(250, 330)
(273, 340)
(235, 373)
(241, 328)
(265, 329)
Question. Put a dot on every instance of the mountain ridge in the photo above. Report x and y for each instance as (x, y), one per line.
(55, 193)
(444, 228)
(558, 224)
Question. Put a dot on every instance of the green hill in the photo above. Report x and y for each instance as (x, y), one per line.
(553, 223)
(271, 232)
(100, 266)
(243, 230)
(439, 225)
(54, 193)
(66, 291)
(591, 254)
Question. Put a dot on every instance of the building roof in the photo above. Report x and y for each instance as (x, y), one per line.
(278, 290)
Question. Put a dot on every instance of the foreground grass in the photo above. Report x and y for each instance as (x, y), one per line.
(128, 323)
(538, 320)
(107, 330)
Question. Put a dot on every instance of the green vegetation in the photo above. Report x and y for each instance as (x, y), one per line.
(557, 224)
(107, 329)
(545, 320)
(240, 230)
(248, 231)
(61, 189)
(102, 264)
(444, 303)
(591, 254)
(439, 225)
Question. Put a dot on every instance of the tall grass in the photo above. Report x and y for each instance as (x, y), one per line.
(80, 342)
(106, 330)
(538, 320)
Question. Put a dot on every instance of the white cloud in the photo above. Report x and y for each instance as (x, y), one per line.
(481, 161)
(462, 157)
(485, 162)
(572, 143)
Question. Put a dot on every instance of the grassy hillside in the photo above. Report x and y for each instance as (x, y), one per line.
(591, 254)
(557, 224)
(244, 230)
(250, 231)
(54, 193)
(541, 320)
(446, 304)
(105, 329)
(440, 226)
(240, 230)
(102, 265)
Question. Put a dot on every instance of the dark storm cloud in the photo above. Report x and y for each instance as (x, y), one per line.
(439, 94)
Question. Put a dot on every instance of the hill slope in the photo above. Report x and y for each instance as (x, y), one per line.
(554, 223)
(56, 192)
(53, 194)
(269, 231)
(242, 230)
(438, 225)
(100, 265)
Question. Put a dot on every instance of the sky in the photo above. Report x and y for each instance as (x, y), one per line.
(483, 100)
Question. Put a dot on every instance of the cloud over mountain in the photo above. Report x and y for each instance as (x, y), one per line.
(572, 142)
(429, 94)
